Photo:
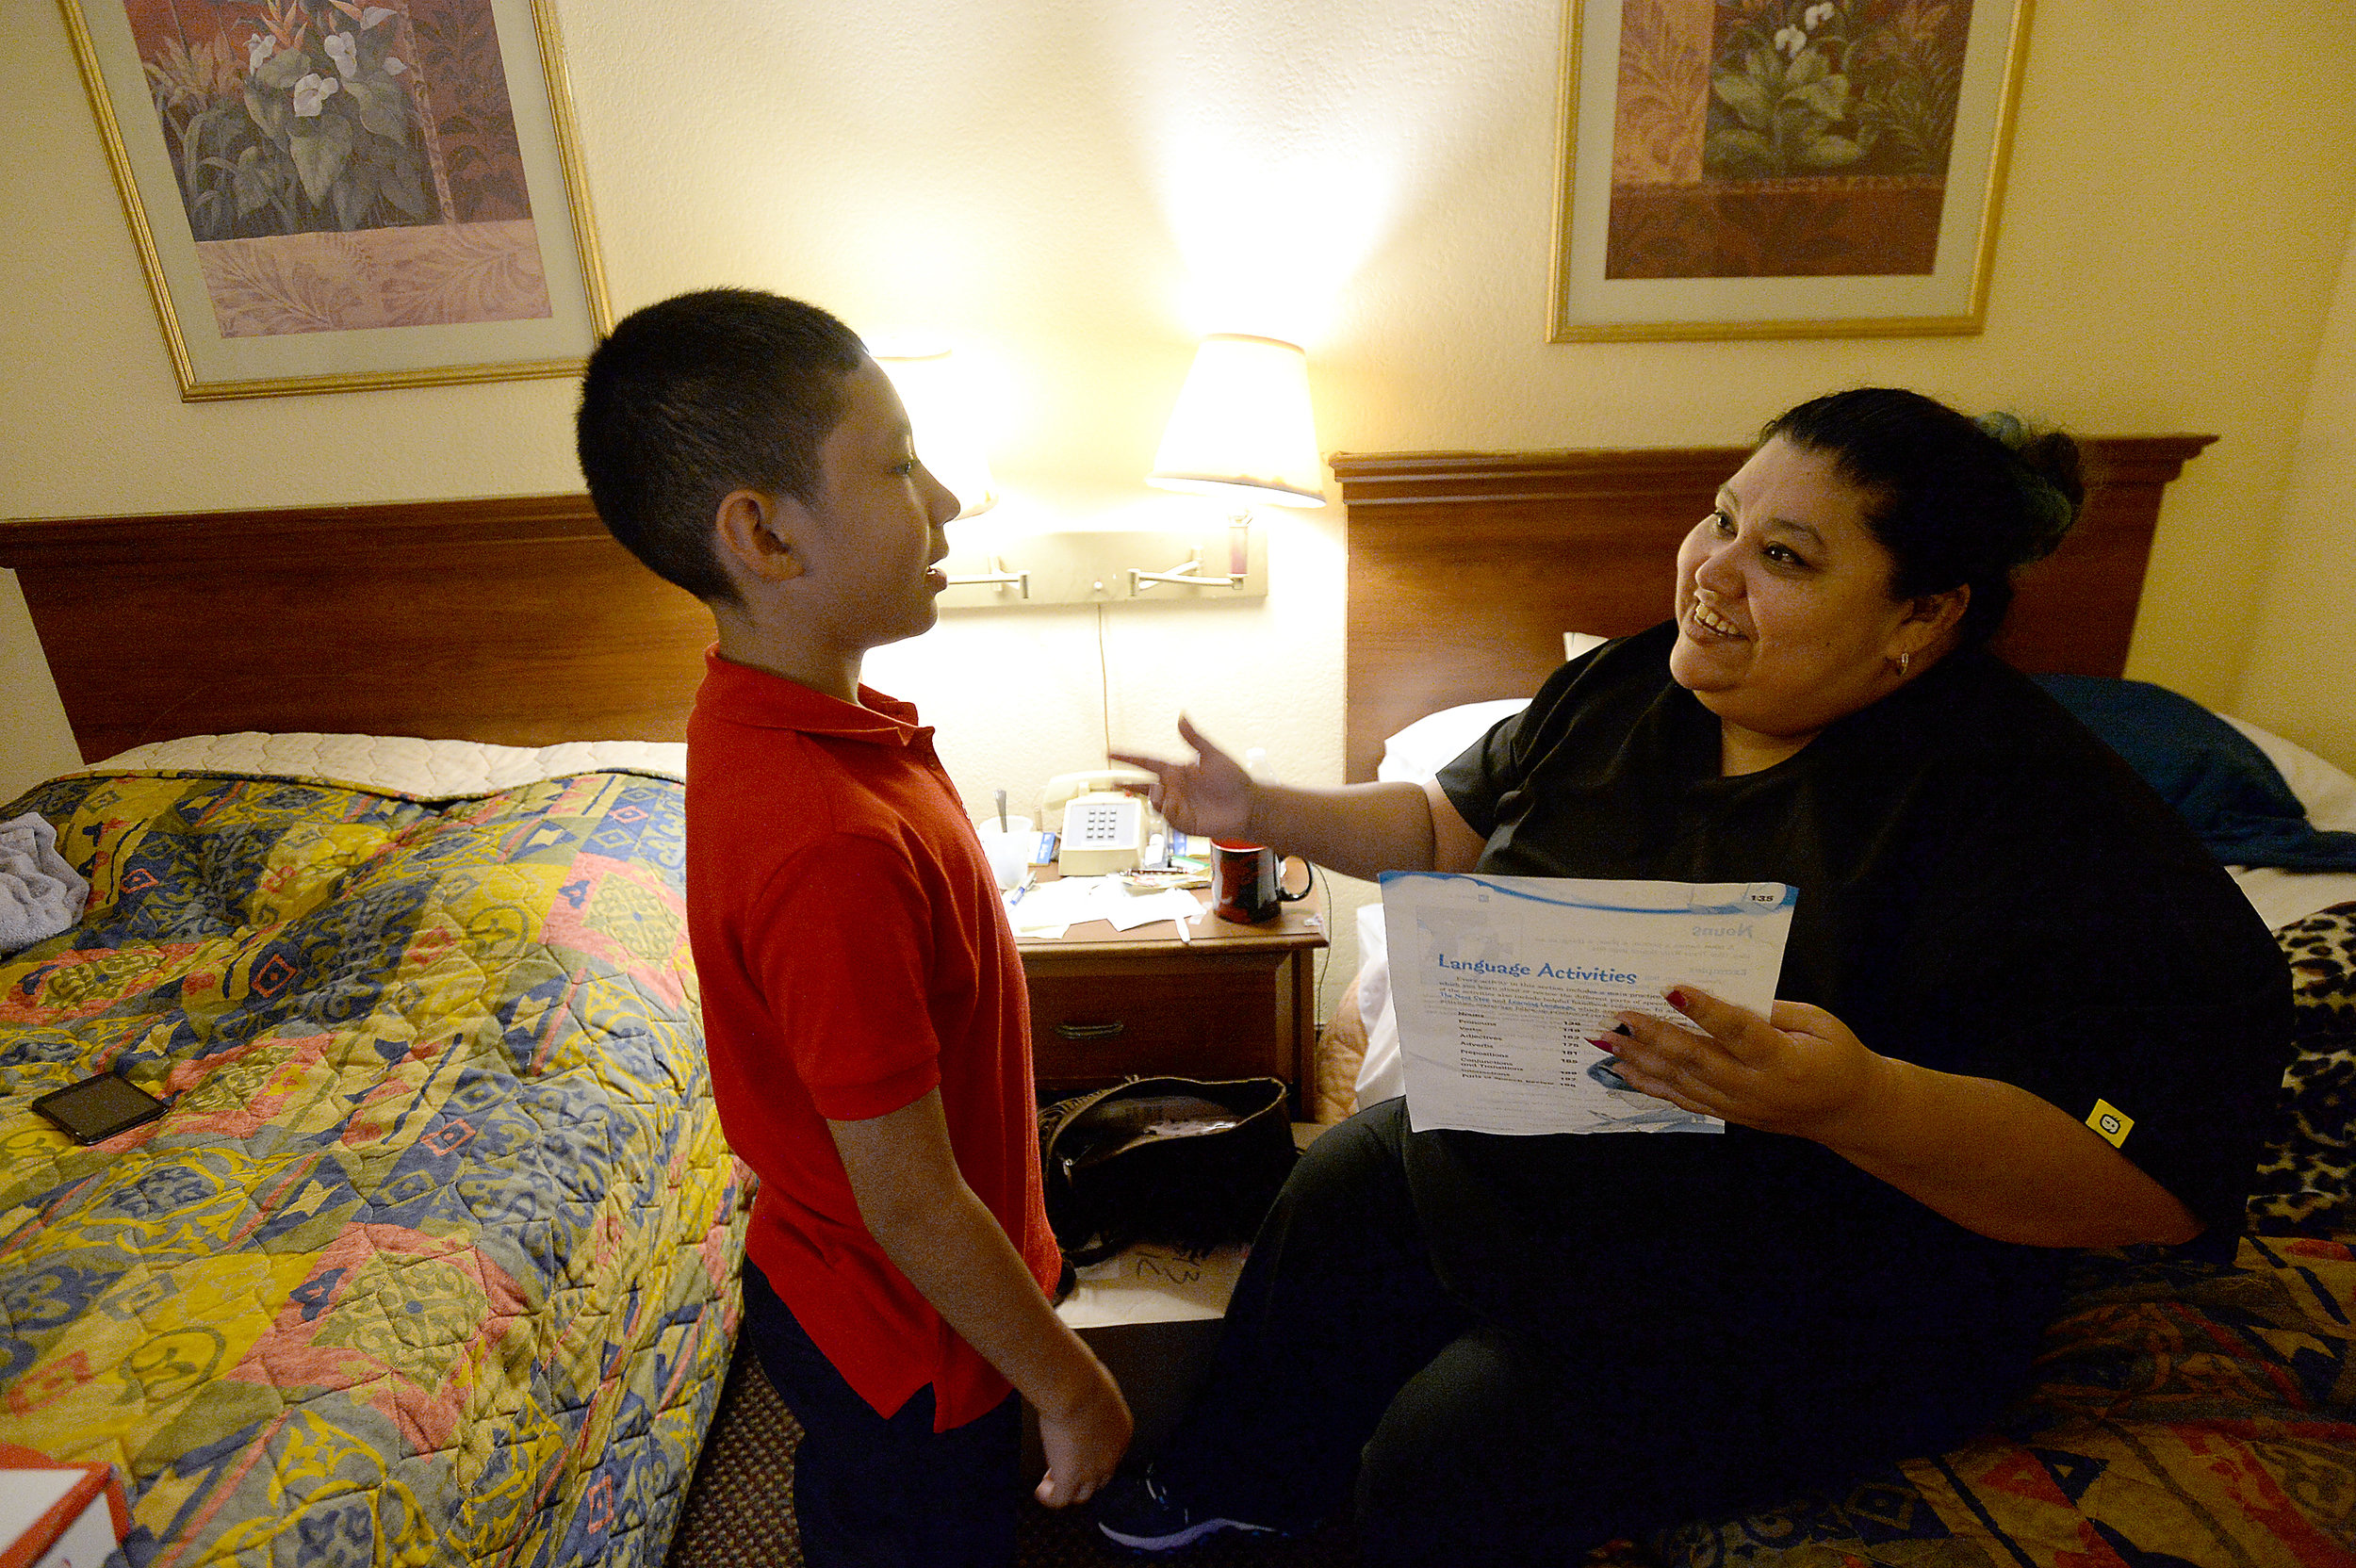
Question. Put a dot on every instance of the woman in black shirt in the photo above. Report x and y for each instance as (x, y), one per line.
(1521, 1346)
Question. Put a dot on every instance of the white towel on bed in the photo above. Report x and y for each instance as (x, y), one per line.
(39, 895)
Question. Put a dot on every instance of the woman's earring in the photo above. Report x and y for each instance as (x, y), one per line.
(1904, 660)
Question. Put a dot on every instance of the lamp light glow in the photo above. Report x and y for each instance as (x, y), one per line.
(1243, 429)
(945, 415)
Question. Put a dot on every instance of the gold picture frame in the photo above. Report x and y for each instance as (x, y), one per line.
(1754, 169)
(317, 213)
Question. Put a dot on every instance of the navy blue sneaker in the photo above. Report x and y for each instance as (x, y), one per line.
(1135, 1512)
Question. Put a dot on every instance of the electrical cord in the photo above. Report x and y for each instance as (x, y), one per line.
(1324, 885)
(1104, 685)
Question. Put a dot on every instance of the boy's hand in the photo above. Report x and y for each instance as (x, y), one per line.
(1084, 1443)
(1210, 795)
(918, 1207)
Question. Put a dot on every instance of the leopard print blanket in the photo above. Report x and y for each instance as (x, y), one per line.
(2303, 1186)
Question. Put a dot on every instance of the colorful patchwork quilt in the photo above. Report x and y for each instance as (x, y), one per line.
(432, 1257)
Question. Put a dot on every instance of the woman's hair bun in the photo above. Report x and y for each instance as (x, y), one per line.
(1957, 501)
(2045, 466)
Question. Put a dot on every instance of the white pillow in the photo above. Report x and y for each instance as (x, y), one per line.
(1416, 754)
(2329, 794)
(424, 770)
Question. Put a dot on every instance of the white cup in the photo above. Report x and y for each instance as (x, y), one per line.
(1009, 848)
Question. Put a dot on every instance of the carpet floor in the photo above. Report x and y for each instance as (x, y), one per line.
(740, 1507)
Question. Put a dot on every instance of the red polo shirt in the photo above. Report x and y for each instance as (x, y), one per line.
(853, 954)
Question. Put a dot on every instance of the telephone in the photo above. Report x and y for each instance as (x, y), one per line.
(1101, 818)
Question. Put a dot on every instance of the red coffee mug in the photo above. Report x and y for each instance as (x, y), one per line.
(1246, 882)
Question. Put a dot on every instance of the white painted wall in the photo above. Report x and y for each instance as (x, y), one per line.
(1072, 193)
(35, 740)
(2301, 679)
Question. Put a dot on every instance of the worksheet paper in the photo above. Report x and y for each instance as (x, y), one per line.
(1501, 981)
(1048, 909)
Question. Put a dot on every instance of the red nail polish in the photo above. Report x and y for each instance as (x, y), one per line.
(1605, 1044)
(1677, 1000)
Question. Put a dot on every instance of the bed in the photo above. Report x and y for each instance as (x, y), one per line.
(2186, 1413)
(433, 1256)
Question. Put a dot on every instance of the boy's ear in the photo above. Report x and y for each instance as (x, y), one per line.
(756, 534)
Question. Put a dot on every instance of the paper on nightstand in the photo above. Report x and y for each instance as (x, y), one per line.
(1145, 908)
(1049, 906)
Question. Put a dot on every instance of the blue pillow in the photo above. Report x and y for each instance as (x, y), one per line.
(2215, 776)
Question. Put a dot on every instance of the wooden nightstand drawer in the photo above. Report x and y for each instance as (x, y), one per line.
(1230, 1016)
(1236, 1002)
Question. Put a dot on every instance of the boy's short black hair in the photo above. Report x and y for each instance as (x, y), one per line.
(708, 392)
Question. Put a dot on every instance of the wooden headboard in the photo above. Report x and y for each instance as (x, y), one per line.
(1466, 569)
(517, 621)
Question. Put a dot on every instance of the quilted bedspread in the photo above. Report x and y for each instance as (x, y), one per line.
(432, 1259)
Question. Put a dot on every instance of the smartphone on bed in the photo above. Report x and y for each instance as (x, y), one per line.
(98, 1108)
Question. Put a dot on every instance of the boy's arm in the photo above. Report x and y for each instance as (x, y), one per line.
(932, 1226)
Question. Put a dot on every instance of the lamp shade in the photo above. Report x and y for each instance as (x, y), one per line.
(1243, 428)
(947, 421)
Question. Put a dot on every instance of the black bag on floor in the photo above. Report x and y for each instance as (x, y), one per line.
(1180, 1161)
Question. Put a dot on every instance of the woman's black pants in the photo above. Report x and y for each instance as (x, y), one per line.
(1348, 1371)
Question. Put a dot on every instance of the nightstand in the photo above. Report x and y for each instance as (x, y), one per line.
(1237, 1002)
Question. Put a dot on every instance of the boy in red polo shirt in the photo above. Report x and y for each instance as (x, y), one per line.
(865, 1008)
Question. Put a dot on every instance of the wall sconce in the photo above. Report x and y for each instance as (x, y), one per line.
(1105, 568)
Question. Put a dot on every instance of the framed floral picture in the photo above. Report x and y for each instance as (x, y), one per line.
(331, 195)
(1781, 167)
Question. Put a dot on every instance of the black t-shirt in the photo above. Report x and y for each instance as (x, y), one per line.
(1983, 888)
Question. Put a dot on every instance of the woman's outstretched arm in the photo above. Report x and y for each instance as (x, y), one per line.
(1357, 829)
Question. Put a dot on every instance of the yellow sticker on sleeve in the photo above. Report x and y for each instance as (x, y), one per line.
(2112, 1122)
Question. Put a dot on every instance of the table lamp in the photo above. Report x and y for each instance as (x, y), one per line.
(1242, 430)
(941, 412)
